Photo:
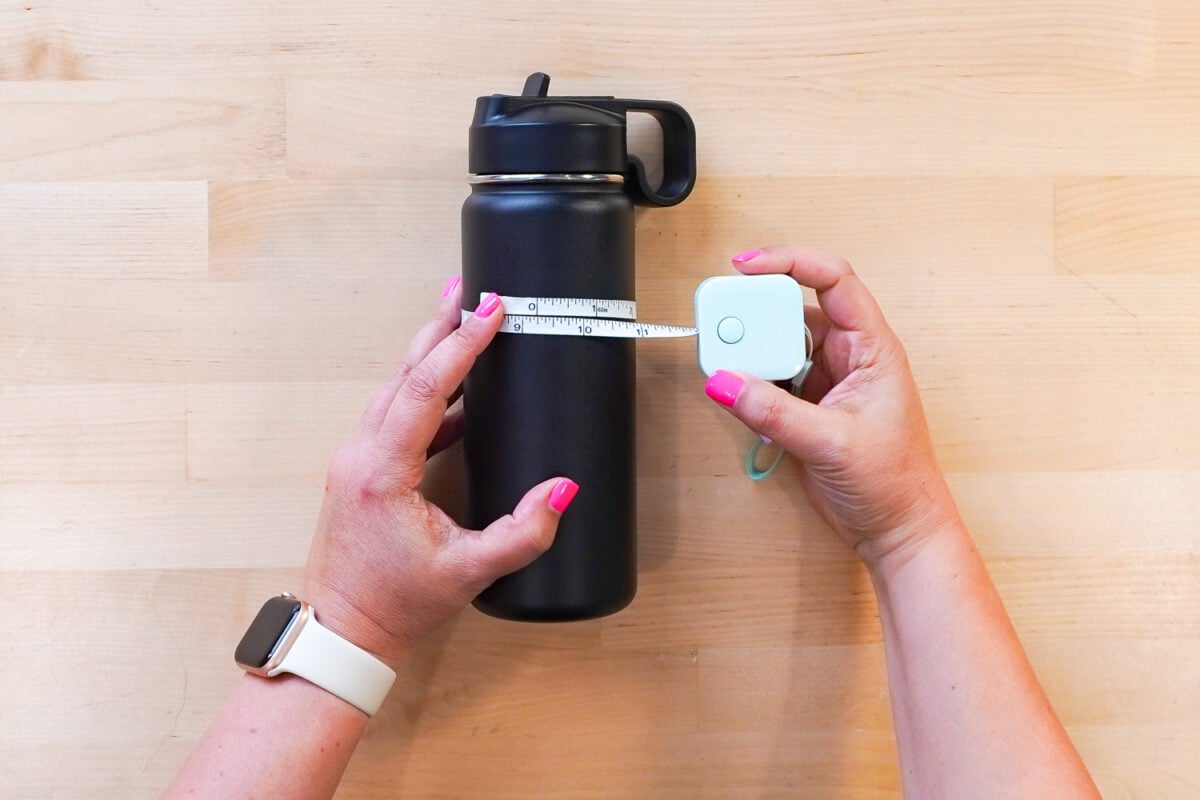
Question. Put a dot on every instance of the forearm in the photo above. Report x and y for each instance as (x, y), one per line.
(278, 737)
(971, 718)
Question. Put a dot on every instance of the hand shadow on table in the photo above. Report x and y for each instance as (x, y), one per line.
(827, 738)
(392, 738)
(464, 667)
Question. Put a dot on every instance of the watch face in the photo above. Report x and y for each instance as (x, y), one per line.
(255, 648)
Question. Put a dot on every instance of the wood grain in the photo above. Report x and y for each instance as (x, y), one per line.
(127, 39)
(221, 222)
(141, 129)
(1139, 226)
(61, 230)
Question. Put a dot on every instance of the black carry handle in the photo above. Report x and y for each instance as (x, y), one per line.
(679, 152)
(679, 142)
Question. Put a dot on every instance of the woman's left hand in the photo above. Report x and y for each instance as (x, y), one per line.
(386, 566)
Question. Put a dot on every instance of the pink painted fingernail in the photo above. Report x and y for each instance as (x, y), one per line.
(488, 305)
(742, 258)
(724, 387)
(765, 439)
(562, 494)
(451, 285)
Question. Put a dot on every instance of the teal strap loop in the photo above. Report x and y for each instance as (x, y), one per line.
(752, 470)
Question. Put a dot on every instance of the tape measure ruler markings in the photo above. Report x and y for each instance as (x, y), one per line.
(581, 316)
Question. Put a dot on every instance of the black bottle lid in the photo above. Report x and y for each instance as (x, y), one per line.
(533, 133)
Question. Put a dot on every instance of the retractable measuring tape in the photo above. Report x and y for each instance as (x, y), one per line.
(578, 316)
(750, 323)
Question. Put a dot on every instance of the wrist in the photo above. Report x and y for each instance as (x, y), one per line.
(287, 691)
(341, 616)
(890, 551)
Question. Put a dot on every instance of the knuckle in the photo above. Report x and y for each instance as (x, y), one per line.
(357, 470)
(837, 447)
(421, 384)
(403, 369)
(463, 341)
(843, 264)
(469, 570)
(343, 465)
(772, 413)
(349, 466)
(431, 330)
(377, 477)
(538, 538)
(464, 569)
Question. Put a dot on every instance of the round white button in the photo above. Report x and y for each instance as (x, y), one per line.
(730, 330)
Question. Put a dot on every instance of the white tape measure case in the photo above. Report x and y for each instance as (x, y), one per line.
(753, 324)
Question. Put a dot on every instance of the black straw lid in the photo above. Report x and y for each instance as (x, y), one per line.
(533, 133)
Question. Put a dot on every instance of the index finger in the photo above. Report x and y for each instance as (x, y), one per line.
(420, 404)
(448, 317)
(843, 297)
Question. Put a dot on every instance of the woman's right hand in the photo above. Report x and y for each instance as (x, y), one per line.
(858, 430)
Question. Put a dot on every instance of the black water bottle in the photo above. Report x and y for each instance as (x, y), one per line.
(551, 215)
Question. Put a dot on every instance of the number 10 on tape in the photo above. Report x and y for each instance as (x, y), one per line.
(579, 316)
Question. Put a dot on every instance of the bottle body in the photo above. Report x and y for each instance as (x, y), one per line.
(541, 406)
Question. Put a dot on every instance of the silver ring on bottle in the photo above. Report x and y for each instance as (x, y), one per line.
(548, 177)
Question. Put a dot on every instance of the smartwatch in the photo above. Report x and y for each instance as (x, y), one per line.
(286, 637)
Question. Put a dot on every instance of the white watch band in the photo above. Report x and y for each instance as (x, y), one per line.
(322, 657)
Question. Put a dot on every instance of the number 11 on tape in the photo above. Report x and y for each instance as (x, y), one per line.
(591, 326)
(581, 316)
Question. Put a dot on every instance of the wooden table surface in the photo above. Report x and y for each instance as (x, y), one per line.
(220, 222)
